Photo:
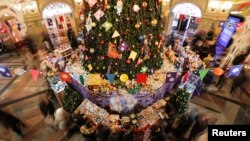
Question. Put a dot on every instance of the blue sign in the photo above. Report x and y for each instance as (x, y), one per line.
(228, 30)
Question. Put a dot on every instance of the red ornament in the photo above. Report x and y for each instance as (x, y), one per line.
(128, 61)
(159, 36)
(102, 42)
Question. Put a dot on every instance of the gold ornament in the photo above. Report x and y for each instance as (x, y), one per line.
(93, 24)
(144, 4)
(156, 43)
(154, 22)
(137, 25)
(108, 6)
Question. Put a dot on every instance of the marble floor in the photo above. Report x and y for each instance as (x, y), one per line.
(19, 96)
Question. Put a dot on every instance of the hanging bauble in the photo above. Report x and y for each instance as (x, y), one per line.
(92, 50)
(117, 20)
(136, 8)
(137, 25)
(104, 67)
(128, 19)
(123, 46)
(144, 4)
(93, 24)
(154, 22)
(160, 36)
(128, 61)
(102, 57)
(108, 6)
(102, 42)
(141, 38)
(156, 43)
(145, 42)
(150, 9)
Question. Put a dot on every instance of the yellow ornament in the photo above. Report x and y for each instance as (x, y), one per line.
(93, 24)
(154, 22)
(137, 25)
(124, 77)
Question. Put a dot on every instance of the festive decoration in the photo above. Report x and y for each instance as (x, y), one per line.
(98, 14)
(154, 22)
(96, 80)
(124, 77)
(218, 71)
(19, 71)
(5, 71)
(123, 46)
(92, 50)
(112, 52)
(90, 67)
(88, 23)
(115, 34)
(141, 78)
(71, 100)
(180, 102)
(109, 17)
(139, 62)
(107, 25)
(111, 78)
(91, 2)
(235, 70)
(34, 74)
(171, 77)
(119, 6)
(144, 69)
(132, 55)
(81, 79)
(203, 73)
(144, 4)
(65, 77)
(136, 8)
(185, 77)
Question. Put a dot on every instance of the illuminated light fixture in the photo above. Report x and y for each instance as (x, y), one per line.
(78, 2)
(6, 15)
(226, 6)
(236, 12)
(213, 5)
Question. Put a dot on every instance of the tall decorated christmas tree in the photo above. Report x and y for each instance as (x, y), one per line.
(180, 101)
(122, 36)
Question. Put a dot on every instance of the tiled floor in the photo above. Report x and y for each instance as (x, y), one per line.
(222, 105)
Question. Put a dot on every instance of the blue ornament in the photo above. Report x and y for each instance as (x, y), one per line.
(141, 38)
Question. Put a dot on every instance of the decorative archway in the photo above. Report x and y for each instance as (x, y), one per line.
(56, 8)
(187, 9)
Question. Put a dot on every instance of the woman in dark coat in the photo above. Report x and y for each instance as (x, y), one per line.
(128, 133)
(10, 121)
(102, 132)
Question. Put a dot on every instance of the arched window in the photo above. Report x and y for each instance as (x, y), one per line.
(187, 9)
(56, 9)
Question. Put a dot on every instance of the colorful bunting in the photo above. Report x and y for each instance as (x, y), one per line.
(171, 77)
(218, 71)
(5, 71)
(235, 70)
(203, 73)
(111, 78)
(124, 77)
(141, 78)
(34, 74)
(81, 79)
(19, 71)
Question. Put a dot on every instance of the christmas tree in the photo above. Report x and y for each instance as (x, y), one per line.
(122, 36)
(180, 102)
(71, 100)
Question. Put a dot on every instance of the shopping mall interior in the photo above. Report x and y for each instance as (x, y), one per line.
(122, 70)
